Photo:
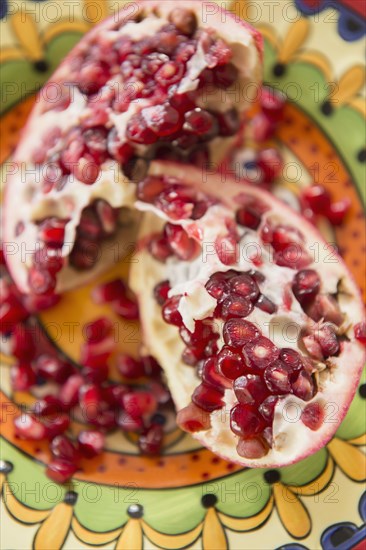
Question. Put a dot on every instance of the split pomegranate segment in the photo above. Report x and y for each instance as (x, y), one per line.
(257, 333)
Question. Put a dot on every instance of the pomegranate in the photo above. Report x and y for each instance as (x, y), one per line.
(172, 78)
(252, 351)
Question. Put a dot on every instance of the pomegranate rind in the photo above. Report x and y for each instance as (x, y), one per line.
(23, 200)
(293, 441)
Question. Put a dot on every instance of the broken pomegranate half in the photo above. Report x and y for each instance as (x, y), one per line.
(154, 81)
(253, 317)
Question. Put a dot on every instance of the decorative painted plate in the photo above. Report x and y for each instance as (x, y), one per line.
(189, 498)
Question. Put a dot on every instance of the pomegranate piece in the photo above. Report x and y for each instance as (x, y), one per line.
(129, 423)
(217, 286)
(236, 306)
(253, 448)
(244, 421)
(95, 374)
(263, 128)
(313, 416)
(176, 202)
(139, 403)
(360, 332)
(250, 389)
(22, 376)
(306, 285)
(26, 426)
(150, 188)
(270, 162)
(137, 131)
(277, 378)
(291, 358)
(193, 419)
(49, 404)
(260, 353)
(150, 442)
(60, 471)
(208, 398)
(170, 311)
(63, 448)
(318, 198)
(229, 123)
(90, 401)
(90, 443)
(230, 363)
(238, 332)
(322, 342)
(161, 291)
(129, 367)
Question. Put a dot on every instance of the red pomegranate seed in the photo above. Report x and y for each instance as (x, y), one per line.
(227, 249)
(245, 286)
(263, 128)
(93, 75)
(225, 76)
(217, 287)
(35, 304)
(170, 311)
(48, 259)
(238, 332)
(69, 391)
(121, 152)
(219, 53)
(49, 404)
(284, 236)
(129, 367)
(247, 216)
(129, 423)
(90, 443)
(277, 378)
(163, 120)
(338, 210)
(230, 363)
(184, 20)
(137, 131)
(272, 103)
(291, 358)
(244, 421)
(63, 448)
(270, 162)
(327, 339)
(96, 141)
(28, 427)
(126, 307)
(90, 226)
(193, 419)
(22, 376)
(159, 248)
(313, 416)
(161, 292)
(41, 281)
(236, 306)
(201, 123)
(106, 420)
(139, 403)
(294, 257)
(201, 334)
(170, 73)
(183, 246)
(90, 399)
(229, 122)
(256, 447)
(53, 368)
(267, 408)
(22, 344)
(94, 354)
(149, 188)
(250, 389)
(306, 285)
(56, 425)
(97, 330)
(60, 471)
(208, 398)
(265, 304)
(360, 332)
(303, 386)
(261, 352)
(95, 374)
(113, 394)
(108, 216)
(151, 367)
(150, 442)
(109, 292)
(52, 232)
(211, 376)
(318, 198)
(325, 307)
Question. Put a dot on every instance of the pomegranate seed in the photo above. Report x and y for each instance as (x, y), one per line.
(69, 391)
(293, 257)
(53, 368)
(193, 419)
(28, 427)
(95, 354)
(225, 76)
(201, 123)
(60, 471)
(95, 374)
(121, 152)
(56, 425)
(22, 344)
(183, 246)
(90, 443)
(148, 189)
(150, 442)
(137, 131)
(96, 140)
(283, 236)
(244, 421)
(201, 334)
(229, 123)
(247, 216)
(126, 307)
(52, 232)
(97, 330)
(250, 389)
(139, 403)
(360, 332)
(208, 398)
(253, 448)
(313, 347)
(265, 304)
(325, 307)
(184, 20)
(129, 367)
(313, 416)
(170, 312)
(106, 420)
(245, 286)
(267, 408)
(277, 378)
(230, 363)
(152, 62)
(49, 404)
(41, 281)
(318, 198)
(306, 285)
(219, 53)
(291, 359)
(107, 215)
(227, 249)
(109, 292)
(327, 339)
(163, 120)
(303, 386)
(176, 201)
(48, 259)
(159, 248)
(263, 128)
(113, 394)
(152, 369)
(338, 210)
(236, 306)
(270, 162)
(35, 304)
(238, 332)
(129, 423)
(261, 352)
(210, 375)
(90, 400)
(169, 73)
(272, 103)
(161, 292)
(217, 287)
(22, 376)
(62, 447)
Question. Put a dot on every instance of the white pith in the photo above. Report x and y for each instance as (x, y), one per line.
(337, 383)
(24, 200)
